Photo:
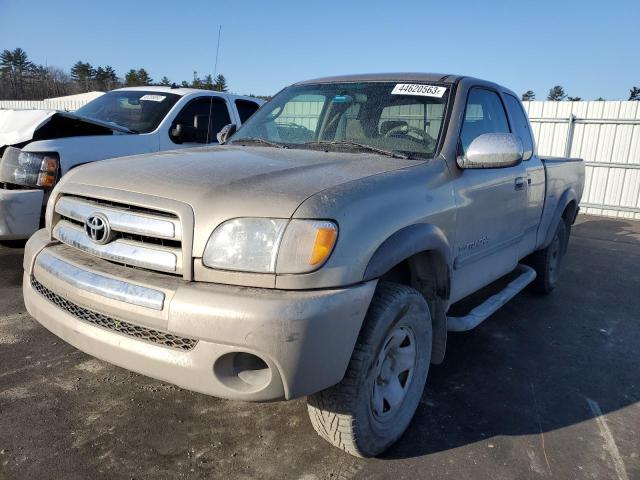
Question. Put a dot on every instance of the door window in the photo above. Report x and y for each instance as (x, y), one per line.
(484, 114)
(520, 124)
(246, 108)
(202, 119)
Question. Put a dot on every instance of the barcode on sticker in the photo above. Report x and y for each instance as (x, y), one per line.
(419, 89)
(153, 98)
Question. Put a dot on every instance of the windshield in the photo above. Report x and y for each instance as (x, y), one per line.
(388, 117)
(138, 111)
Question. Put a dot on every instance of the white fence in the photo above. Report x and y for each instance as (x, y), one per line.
(65, 105)
(606, 135)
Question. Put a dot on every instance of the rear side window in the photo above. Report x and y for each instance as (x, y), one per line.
(484, 114)
(246, 108)
(520, 124)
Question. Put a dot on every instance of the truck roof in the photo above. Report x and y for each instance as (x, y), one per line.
(383, 77)
(182, 91)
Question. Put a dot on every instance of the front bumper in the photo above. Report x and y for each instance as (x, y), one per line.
(305, 338)
(20, 212)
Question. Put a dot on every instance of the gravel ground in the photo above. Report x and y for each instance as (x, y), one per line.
(547, 387)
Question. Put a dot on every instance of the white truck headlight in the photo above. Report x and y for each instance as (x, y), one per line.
(29, 169)
(270, 245)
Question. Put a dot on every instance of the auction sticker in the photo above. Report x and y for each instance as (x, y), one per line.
(418, 89)
(153, 98)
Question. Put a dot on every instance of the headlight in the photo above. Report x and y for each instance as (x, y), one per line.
(29, 169)
(267, 245)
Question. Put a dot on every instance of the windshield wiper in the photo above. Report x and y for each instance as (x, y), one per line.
(261, 141)
(363, 146)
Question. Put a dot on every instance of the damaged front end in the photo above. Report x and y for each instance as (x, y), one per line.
(27, 177)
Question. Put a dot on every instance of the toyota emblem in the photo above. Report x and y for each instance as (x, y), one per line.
(98, 228)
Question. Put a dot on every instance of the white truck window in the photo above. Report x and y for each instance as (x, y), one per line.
(202, 119)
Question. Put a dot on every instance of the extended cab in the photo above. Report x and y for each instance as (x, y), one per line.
(324, 250)
(126, 121)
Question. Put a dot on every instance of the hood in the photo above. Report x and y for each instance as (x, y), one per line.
(226, 182)
(18, 127)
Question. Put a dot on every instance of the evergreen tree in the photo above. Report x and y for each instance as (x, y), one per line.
(528, 96)
(556, 94)
(208, 82)
(165, 82)
(143, 77)
(220, 84)
(15, 67)
(197, 83)
(574, 99)
(131, 78)
(83, 74)
(634, 94)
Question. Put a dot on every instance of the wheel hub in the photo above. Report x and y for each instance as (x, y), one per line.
(394, 369)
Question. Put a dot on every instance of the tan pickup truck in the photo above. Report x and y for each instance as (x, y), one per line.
(317, 252)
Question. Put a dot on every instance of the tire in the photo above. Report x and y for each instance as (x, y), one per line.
(374, 403)
(546, 262)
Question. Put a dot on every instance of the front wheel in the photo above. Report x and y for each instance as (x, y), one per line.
(372, 406)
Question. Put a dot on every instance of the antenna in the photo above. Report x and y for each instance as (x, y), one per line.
(215, 68)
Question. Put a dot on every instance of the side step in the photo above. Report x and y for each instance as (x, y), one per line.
(483, 311)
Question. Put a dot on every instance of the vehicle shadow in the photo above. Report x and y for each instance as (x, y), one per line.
(535, 364)
(11, 264)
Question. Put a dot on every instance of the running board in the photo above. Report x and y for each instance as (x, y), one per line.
(483, 311)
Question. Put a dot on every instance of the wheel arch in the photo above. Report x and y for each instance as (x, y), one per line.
(418, 256)
(566, 210)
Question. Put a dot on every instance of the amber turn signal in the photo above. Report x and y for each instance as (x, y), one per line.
(325, 240)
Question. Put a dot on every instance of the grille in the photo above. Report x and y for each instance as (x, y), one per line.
(140, 237)
(125, 328)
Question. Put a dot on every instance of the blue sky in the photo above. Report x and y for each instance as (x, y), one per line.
(591, 48)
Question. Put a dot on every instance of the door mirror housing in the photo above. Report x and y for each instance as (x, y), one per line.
(493, 150)
(226, 132)
(181, 133)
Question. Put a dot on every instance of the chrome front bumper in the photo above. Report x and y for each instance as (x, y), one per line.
(305, 338)
(20, 213)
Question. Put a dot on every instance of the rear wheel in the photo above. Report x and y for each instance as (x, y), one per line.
(372, 406)
(546, 262)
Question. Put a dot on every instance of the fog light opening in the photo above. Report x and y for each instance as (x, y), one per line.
(251, 369)
(242, 371)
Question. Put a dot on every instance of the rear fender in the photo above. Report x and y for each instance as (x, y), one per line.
(565, 199)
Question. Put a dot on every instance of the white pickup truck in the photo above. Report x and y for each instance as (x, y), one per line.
(123, 122)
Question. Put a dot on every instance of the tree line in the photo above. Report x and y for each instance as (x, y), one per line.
(558, 94)
(22, 79)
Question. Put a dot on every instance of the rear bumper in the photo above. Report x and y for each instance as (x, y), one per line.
(20, 212)
(304, 338)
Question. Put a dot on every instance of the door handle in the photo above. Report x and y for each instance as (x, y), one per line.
(519, 185)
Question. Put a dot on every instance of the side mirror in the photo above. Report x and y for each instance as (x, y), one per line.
(493, 150)
(226, 132)
(182, 133)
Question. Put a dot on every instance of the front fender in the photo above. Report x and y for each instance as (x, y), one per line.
(404, 244)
